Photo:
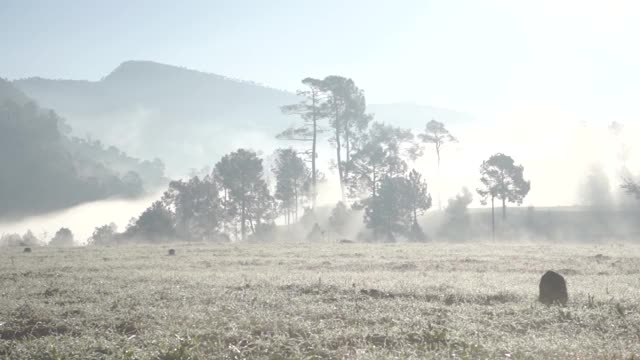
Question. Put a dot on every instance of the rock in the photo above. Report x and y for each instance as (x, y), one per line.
(27, 250)
(172, 252)
(553, 289)
(345, 241)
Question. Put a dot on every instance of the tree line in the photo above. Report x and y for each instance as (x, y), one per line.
(371, 160)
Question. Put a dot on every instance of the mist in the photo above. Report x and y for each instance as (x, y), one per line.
(319, 180)
(81, 219)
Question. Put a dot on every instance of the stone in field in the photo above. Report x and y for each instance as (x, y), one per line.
(172, 252)
(27, 250)
(553, 289)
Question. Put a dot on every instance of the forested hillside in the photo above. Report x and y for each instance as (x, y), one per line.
(44, 168)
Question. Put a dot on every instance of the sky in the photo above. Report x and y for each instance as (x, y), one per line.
(537, 68)
(498, 59)
(542, 70)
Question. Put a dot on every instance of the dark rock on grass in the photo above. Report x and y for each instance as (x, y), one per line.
(346, 241)
(172, 252)
(553, 289)
(27, 250)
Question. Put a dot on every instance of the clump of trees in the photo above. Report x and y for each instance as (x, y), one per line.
(235, 201)
(63, 237)
(293, 184)
(502, 179)
(457, 222)
(340, 218)
(247, 199)
(394, 209)
(104, 235)
(340, 106)
(28, 239)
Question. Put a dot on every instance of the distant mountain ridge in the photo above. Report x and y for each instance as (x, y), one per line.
(185, 117)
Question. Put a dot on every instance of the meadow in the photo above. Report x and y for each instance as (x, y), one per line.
(318, 301)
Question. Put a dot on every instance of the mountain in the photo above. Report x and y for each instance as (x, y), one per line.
(8, 92)
(185, 117)
(45, 169)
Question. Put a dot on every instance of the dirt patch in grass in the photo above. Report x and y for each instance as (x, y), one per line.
(27, 322)
(502, 297)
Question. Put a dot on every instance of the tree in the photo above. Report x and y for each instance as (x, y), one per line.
(631, 187)
(292, 182)
(11, 240)
(457, 223)
(436, 134)
(504, 180)
(617, 131)
(392, 211)
(379, 155)
(346, 108)
(419, 201)
(312, 109)
(247, 194)
(64, 237)
(196, 205)
(338, 220)
(28, 239)
(104, 235)
(595, 190)
(261, 209)
(155, 224)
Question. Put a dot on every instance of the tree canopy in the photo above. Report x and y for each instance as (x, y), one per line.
(503, 179)
(246, 193)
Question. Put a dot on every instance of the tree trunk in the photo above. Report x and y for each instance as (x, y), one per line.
(243, 219)
(338, 157)
(313, 152)
(347, 148)
(439, 179)
(493, 220)
(504, 209)
(295, 199)
(243, 214)
(373, 186)
(389, 231)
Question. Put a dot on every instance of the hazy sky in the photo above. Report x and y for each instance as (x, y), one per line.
(496, 58)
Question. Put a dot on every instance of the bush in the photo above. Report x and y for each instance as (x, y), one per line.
(64, 237)
(104, 235)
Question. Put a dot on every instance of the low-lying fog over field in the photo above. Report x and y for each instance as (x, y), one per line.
(295, 179)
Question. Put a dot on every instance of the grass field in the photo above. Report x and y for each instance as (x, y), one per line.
(306, 301)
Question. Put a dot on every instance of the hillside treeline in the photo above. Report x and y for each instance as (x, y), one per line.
(44, 168)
